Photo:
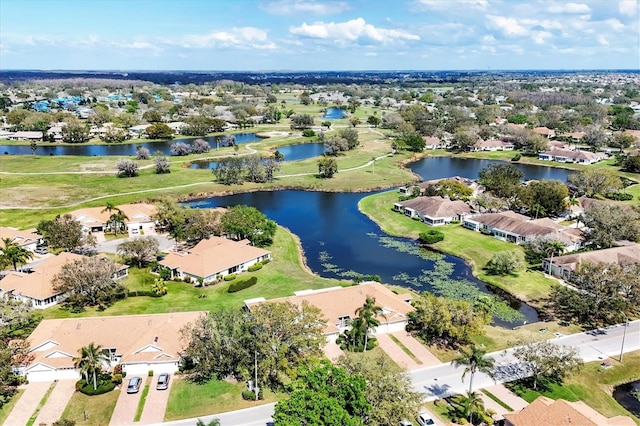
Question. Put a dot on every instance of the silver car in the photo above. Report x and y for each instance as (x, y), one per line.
(134, 385)
(163, 382)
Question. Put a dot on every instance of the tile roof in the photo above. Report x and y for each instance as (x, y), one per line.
(338, 302)
(624, 254)
(22, 238)
(518, 224)
(213, 256)
(97, 216)
(138, 338)
(580, 155)
(436, 207)
(546, 411)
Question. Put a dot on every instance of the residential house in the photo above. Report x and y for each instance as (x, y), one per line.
(139, 218)
(214, 258)
(546, 411)
(433, 143)
(139, 343)
(25, 136)
(544, 131)
(491, 145)
(177, 126)
(565, 266)
(517, 228)
(27, 239)
(339, 304)
(568, 156)
(433, 211)
(469, 183)
(34, 284)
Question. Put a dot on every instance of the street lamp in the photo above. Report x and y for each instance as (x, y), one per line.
(624, 334)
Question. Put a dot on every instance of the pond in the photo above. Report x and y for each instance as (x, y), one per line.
(291, 153)
(340, 242)
(335, 113)
(440, 167)
(623, 394)
(118, 149)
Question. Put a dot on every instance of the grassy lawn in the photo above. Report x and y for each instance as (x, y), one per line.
(281, 277)
(476, 248)
(188, 399)
(98, 409)
(594, 385)
(5, 410)
(141, 402)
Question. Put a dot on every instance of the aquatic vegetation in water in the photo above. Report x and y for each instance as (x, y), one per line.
(405, 247)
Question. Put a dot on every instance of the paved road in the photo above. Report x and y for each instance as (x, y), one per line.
(443, 379)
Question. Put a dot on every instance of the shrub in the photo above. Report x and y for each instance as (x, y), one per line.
(308, 133)
(104, 386)
(241, 285)
(117, 379)
(255, 267)
(150, 373)
(516, 157)
(265, 261)
(431, 236)
(618, 196)
(250, 395)
(455, 222)
(230, 277)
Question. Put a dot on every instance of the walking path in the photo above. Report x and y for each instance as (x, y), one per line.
(27, 404)
(57, 402)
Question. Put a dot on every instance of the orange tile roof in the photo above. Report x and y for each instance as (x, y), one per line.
(96, 216)
(338, 302)
(22, 238)
(213, 256)
(138, 338)
(546, 411)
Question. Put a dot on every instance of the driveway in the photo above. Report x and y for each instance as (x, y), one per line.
(332, 351)
(27, 404)
(156, 404)
(111, 246)
(57, 402)
(421, 355)
(127, 404)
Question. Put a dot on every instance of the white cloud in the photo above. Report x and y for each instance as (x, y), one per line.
(448, 4)
(603, 40)
(628, 8)
(614, 24)
(579, 8)
(509, 26)
(353, 30)
(235, 37)
(137, 45)
(302, 7)
(540, 37)
(371, 54)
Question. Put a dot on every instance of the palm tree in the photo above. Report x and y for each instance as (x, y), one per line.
(553, 248)
(12, 253)
(472, 404)
(367, 314)
(474, 361)
(117, 221)
(213, 422)
(90, 362)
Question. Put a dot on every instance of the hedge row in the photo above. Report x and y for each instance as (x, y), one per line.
(241, 285)
(104, 386)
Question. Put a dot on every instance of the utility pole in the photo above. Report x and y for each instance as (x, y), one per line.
(624, 334)
(255, 386)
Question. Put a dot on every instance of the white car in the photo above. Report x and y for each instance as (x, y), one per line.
(425, 419)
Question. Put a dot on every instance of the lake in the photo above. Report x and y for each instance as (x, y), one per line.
(297, 152)
(335, 113)
(431, 168)
(116, 149)
(339, 241)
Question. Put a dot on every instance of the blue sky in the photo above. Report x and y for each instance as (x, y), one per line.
(253, 35)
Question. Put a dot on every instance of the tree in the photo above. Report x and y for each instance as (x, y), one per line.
(75, 131)
(212, 422)
(547, 196)
(254, 168)
(161, 164)
(327, 167)
(12, 253)
(322, 395)
(373, 120)
(463, 140)
(502, 179)
(474, 361)
(335, 145)
(446, 322)
(607, 223)
(87, 282)
(546, 361)
(453, 189)
(246, 222)
(180, 149)
(539, 248)
(127, 168)
(152, 116)
(218, 125)
(271, 166)
(115, 134)
(159, 131)
(229, 171)
(197, 126)
(354, 121)
(596, 138)
(64, 232)
(285, 337)
(591, 182)
(301, 121)
(351, 136)
(159, 287)
(92, 358)
(506, 262)
(142, 153)
(200, 146)
(622, 140)
(631, 164)
(389, 390)
(430, 236)
(367, 314)
(413, 142)
(117, 219)
(140, 250)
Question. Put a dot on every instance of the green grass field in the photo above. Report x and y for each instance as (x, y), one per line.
(97, 409)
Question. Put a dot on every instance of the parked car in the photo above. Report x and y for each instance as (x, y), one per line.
(163, 382)
(134, 385)
(425, 419)
(405, 422)
(41, 250)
